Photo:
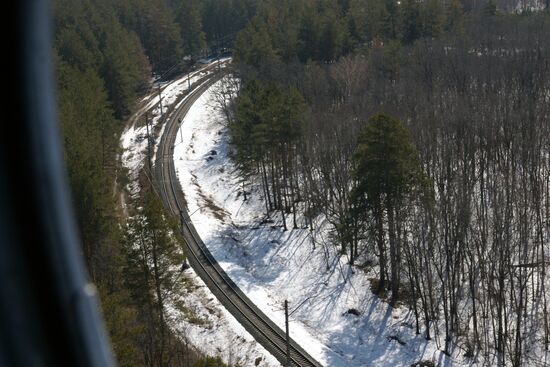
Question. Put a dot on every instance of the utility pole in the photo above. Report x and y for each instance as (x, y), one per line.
(179, 128)
(148, 141)
(188, 82)
(160, 101)
(287, 335)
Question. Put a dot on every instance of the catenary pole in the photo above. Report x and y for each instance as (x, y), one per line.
(287, 335)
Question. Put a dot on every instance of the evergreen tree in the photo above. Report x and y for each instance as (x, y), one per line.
(122, 324)
(190, 21)
(282, 20)
(76, 42)
(411, 26)
(153, 258)
(454, 20)
(249, 103)
(490, 9)
(154, 23)
(254, 47)
(88, 132)
(356, 18)
(104, 50)
(393, 59)
(380, 22)
(332, 39)
(125, 68)
(392, 19)
(432, 18)
(309, 35)
(387, 171)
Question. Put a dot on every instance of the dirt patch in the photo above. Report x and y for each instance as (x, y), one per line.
(374, 287)
(191, 315)
(207, 202)
(405, 296)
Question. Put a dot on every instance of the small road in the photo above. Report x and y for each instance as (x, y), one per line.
(234, 300)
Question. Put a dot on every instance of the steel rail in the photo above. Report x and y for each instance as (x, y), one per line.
(263, 329)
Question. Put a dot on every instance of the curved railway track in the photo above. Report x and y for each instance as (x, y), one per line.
(234, 300)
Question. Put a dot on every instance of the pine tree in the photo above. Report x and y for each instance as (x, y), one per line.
(454, 20)
(189, 18)
(125, 68)
(88, 133)
(411, 26)
(153, 259)
(309, 35)
(392, 19)
(154, 23)
(432, 18)
(387, 170)
(254, 46)
(331, 42)
(490, 9)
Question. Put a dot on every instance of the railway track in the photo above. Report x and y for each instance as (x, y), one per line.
(234, 300)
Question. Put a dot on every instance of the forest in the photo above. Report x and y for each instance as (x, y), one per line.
(417, 129)
(107, 53)
(420, 132)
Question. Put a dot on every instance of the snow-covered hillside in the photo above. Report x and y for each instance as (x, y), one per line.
(193, 311)
(271, 265)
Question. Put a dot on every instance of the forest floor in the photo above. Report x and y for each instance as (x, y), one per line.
(335, 316)
(194, 313)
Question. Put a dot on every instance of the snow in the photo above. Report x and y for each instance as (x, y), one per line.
(171, 90)
(213, 330)
(193, 311)
(134, 137)
(134, 145)
(302, 266)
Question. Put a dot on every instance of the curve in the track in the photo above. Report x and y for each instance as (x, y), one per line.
(234, 300)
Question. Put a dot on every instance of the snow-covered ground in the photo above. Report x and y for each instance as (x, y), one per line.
(134, 137)
(271, 265)
(193, 311)
(200, 319)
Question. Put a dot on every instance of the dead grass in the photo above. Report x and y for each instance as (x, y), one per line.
(219, 213)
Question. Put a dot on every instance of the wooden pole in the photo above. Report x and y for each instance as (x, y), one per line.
(287, 335)
(148, 141)
(179, 128)
(160, 101)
